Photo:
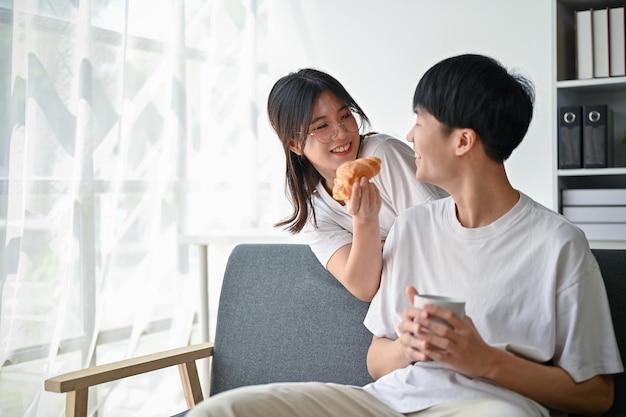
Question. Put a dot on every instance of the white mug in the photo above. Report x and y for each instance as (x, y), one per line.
(454, 304)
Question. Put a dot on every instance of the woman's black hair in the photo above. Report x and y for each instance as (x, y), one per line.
(290, 107)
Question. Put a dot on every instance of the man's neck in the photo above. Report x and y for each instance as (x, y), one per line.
(482, 200)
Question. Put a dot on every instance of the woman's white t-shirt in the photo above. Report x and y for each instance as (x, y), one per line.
(532, 287)
(398, 190)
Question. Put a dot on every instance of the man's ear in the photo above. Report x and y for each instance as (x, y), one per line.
(295, 147)
(466, 140)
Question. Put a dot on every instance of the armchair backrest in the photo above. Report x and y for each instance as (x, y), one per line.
(282, 317)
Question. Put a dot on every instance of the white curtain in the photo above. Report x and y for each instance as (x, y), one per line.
(122, 125)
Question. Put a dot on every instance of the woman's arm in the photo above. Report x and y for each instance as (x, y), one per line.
(358, 266)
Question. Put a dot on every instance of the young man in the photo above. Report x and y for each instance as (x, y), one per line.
(539, 330)
(537, 339)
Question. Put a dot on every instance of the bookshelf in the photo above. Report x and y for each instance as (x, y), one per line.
(610, 91)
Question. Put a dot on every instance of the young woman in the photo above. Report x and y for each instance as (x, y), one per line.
(320, 125)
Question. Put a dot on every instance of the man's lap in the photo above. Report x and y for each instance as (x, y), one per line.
(316, 399)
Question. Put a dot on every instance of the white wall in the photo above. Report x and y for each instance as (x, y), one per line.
(379, 49)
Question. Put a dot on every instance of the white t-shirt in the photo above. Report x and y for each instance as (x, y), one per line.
(398, 190)
(532, 287)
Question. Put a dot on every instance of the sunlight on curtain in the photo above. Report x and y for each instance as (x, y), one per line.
(122, 124)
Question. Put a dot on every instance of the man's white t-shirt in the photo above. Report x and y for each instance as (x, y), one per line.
(398, 190)
(531, 285)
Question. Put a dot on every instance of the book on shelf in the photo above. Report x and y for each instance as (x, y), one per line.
(570, 137)
(600, 36)
(584, 45)
(611, 232)
(617, 42)
(595, 214)
(594, 197)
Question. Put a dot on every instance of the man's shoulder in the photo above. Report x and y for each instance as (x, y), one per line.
(553, 224)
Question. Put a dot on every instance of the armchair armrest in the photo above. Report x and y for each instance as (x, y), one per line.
(76, 384)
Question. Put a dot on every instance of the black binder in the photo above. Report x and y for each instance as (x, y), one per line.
(595, 136)
(570, 137)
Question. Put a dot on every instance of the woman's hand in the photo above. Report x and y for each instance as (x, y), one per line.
(364, 203)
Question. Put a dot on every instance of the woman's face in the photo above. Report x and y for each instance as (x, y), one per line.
(328, 114)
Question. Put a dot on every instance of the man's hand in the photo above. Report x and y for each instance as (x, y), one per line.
(412, 345)
(459, 346)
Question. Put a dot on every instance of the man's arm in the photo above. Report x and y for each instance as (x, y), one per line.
(551, 385)
(465, 351)
(385, 356)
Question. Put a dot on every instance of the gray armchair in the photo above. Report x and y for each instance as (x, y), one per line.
(283, 317)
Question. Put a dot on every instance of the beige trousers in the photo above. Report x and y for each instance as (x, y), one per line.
(315, 399)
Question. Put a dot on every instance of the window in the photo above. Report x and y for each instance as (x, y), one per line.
(121, 123)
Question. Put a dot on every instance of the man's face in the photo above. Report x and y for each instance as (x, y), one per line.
(434, 150)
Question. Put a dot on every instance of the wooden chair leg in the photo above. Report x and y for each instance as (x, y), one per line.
(76, 403)
(191, 383)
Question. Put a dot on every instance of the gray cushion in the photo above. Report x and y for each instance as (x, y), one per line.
(283, 317)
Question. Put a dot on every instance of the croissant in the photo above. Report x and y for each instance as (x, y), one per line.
(350, 172)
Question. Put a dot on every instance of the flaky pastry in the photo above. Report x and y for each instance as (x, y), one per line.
(352, 171)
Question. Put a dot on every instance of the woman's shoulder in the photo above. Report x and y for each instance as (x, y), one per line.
(381, 144)
(431, 212)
